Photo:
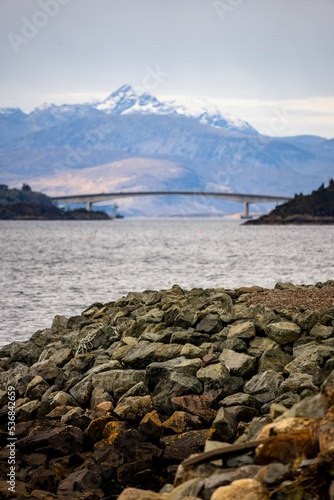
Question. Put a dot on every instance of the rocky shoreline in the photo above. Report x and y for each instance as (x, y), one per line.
(166, 395)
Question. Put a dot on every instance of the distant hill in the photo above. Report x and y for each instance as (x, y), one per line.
(133, 141)
(315, 208)
(19, 204)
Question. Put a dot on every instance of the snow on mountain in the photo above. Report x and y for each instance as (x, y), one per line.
(209, 113)
(126, 100)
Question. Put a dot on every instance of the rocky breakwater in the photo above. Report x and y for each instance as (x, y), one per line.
(200, 394)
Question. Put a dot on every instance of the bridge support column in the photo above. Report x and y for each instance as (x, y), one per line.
(89, 206)
(245, 215)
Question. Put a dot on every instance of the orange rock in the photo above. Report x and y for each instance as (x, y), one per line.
(285, 425)
(285, 448)
(181, 421)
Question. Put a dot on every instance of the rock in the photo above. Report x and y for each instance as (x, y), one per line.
(264, 386)
(258, 346)
(296, 383)
(240, 399)
(117, 382)
(36, 388)
(214, 371)
(192, 351)
(144, 353)
(151, 426)
(61, 398)
(247, 489)
(283, 332)
(285, 448)
(273, 474)
(54, 441)
(200, 406)
(244, 330)
(136, 494)
(157, 371)
(180, 446)
(225, 425)
(321, 332)
(99, 396)
(309, 407)
(189, 489)
(274, 358)
(209, 324)
(239, 364)
(28, 411)
(83, 481)
(235, 344)
(189, 336)
(181, 421)
(134, 408)
(82, 391)
(225, 477)
(61, 356)
(285, 426)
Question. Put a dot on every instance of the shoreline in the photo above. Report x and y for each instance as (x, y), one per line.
(113, 402)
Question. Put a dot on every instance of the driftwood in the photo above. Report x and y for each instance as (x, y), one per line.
(234, 449)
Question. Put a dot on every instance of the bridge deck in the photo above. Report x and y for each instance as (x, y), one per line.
(244, 198)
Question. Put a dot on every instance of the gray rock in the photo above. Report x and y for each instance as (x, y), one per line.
(61, 398)
(225, 425)
(117, 382)
(309, 407)
(297, 382)
(242, 413)
(36, 388)
(264, 386)
(240, 398)
(156, 371)
(192, 351)
(188, 489)
(139, 389)
(82, 391)
(274, 358)
(308, 357)
(215, 371)
(244, 330)
(27, 411)
(283, 332)
(134, 408)
(61, 356)
(258, 345)
(239, 364)
(142, 354)
(209, 324)
(99, 396)
(235, 344)
(321, 332)
(189, 337)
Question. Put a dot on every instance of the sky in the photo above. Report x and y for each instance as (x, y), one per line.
(269, 62)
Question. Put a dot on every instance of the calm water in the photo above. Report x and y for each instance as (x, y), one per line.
(51, 267)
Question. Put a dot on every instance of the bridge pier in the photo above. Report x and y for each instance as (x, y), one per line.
(89, 206)
(245, 215)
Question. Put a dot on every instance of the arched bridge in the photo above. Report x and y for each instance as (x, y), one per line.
(246, 199)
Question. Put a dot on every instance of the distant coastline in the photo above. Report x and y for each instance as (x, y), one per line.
(25, 204)
(316, 208)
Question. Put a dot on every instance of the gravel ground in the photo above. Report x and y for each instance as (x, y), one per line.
(299, 298)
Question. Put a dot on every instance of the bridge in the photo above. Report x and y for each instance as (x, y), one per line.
(246, 199)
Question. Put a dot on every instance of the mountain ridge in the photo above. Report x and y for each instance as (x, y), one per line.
(208, 150)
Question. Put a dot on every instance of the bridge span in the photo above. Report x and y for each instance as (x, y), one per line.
(246, 199)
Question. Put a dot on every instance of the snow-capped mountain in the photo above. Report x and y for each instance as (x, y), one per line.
(126, 100)
(134, 141)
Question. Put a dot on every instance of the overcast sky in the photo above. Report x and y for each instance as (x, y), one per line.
(267, 61)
